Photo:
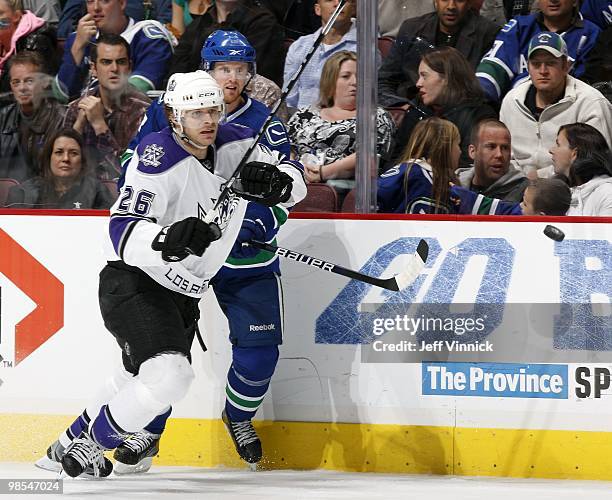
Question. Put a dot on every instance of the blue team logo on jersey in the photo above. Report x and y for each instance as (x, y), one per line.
(153, 31)
(275, 134)
(151, 155)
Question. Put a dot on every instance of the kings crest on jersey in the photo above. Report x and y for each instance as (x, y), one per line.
(165, 184)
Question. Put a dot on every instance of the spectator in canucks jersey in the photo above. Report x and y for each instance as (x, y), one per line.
(150, 47)
(597, 11)
(504, 66)
(420, 183)
(248, 286)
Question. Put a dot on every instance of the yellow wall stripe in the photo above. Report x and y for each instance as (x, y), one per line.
(355, 447)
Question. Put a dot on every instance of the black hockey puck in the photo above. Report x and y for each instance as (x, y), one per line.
(554, 233)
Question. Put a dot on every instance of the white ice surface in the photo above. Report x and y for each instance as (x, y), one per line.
(196, 483)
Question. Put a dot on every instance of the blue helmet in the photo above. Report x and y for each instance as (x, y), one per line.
(226, 46)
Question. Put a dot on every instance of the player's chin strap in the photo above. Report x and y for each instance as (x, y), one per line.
(183, 137)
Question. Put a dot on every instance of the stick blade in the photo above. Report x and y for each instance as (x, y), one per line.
(414, 267)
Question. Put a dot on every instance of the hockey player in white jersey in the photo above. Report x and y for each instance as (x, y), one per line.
(162, 255)
(248, 287)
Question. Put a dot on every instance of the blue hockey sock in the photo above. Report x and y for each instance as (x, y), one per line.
(105, 431)
(78, 426)
(248, 380)
(158, 424)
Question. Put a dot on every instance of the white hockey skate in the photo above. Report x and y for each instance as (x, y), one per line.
(52, 461)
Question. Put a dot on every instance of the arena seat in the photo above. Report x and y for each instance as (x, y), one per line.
(384, 45)
(319, 198)
(5, 186)
(348, 205)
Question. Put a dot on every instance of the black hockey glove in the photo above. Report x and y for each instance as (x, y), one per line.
(185, 237)
(264, 183)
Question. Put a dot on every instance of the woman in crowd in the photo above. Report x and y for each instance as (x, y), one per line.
(328, 131)
(184, 11)
(449, 89)
(22, 30)
(420, 183)
(582, 156)
(65, 181)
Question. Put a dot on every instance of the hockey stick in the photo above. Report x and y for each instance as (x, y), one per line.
(226, 188)
(395, 283)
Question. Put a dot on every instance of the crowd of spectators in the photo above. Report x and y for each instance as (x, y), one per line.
(473, 96)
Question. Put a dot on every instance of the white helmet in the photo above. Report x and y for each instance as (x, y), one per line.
(193, 91)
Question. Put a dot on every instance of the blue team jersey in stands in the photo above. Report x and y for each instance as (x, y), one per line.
(413, 195)
(597, 11)
(251, 114)
(150, 51)
(505, 65)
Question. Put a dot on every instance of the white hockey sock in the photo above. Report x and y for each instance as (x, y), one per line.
(108, 390)
(134, 406)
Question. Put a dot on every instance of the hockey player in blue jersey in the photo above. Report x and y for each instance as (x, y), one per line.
(150, 288)
(505, 65)
(151, 46)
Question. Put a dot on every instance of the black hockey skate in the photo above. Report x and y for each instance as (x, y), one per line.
(245, 439)
(135, 455)
(83, 453)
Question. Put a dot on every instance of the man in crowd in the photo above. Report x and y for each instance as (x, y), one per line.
(26, 123)
(150, 45)
(505, 65)
(453, 24)
(534, 111)
(109, 116)
(343, 36)
(492, 174)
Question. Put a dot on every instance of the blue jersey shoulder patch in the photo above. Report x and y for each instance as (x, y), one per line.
(158, 152)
